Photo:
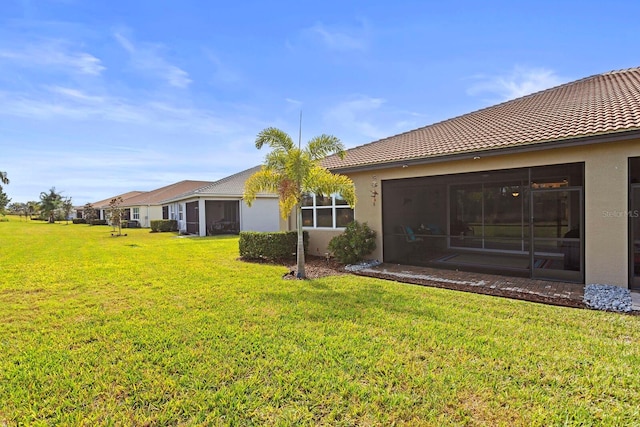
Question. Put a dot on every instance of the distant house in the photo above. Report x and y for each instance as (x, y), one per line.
(544, 186)
(146, 207)
(102, 206)
(218, 208)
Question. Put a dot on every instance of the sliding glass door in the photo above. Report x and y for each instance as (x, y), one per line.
(557, 230)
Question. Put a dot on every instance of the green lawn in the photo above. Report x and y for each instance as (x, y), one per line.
(151, 329)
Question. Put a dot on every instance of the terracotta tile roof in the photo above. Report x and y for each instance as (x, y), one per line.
(125, 196)
(597, 105)
(155, 197)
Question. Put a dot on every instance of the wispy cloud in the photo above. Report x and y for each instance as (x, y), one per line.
(357, 113)
(53, 54)
(517, 83)
(65, 103)
(222, 72)
(147, 57)
(354, 38)
(361, 119)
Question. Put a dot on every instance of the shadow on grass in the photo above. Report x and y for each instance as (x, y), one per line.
(321, 299)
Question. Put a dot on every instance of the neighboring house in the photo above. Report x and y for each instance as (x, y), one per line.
(219, 208)
(146, 207)
(544, 186)
(102, 206)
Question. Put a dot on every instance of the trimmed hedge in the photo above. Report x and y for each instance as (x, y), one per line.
(99, 222)
(270, 246)
(79, 221)
(162, 225)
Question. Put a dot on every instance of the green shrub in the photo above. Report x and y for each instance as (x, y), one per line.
(99, 222)
(270, 246)
(357, 241)
(79, 221)
(163, 225)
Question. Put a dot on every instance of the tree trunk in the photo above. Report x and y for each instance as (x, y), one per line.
(300, 247)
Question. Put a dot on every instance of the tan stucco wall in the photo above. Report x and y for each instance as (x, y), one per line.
(606, 199)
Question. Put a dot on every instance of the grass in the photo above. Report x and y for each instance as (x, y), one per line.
(150, 329)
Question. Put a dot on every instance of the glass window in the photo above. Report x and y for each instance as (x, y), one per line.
(320, 211)
(344, 216)
(135, 213)
(307, 200)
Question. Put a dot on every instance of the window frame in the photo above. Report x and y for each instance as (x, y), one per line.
(333, 207)
(135, 214)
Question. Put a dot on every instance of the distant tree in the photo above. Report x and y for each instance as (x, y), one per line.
(89, 213)
(49, 203)
(4, 201)
(17, 208)
(23, 210)
(33, 208)
(293, 171)
(67, 207)
(115, 214)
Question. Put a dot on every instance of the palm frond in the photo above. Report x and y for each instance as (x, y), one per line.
(263, 181)
(274, 138)
(324, 145)
(322, 181)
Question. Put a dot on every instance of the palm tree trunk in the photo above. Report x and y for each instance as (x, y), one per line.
(300, 247)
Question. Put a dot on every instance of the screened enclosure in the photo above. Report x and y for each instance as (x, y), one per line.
(526, 221)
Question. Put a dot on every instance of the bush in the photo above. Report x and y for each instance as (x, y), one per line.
(270, 246)
(79, 221)
(163, 225)
(98, 222)
(357, 241)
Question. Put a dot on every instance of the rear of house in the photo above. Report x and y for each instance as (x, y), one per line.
(140, 210)
(545, 186)
(219, 208)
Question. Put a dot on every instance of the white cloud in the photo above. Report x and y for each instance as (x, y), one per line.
(344, 39)
(357, 113)
(519, 82)
(147, 58)
(56, 54)
(222, 72)
(362, 119)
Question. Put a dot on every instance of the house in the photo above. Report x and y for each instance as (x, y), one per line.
(102, 206)
(219, 208)
(545, 186)
(147, 206)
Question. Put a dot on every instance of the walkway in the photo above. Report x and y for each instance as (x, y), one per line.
(548, 292)
(544, 291)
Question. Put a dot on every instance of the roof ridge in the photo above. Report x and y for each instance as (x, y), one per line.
(227, 178)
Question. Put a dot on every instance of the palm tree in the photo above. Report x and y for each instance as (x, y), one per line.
(33, 208)
(50, 202)
(293, 172)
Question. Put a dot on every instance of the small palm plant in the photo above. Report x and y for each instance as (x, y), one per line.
(292, 172)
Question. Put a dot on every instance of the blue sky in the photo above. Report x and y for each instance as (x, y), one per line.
(102, 97)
